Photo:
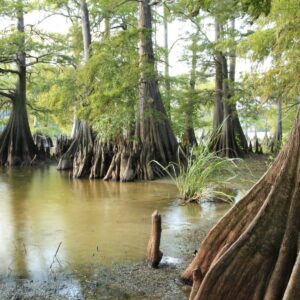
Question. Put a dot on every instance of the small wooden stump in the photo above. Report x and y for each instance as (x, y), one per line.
(154, 255)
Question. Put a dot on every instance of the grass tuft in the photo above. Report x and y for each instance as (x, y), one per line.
(203, 177)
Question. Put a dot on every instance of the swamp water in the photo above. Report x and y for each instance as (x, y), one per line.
(96, 222)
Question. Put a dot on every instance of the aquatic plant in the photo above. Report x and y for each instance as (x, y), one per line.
(202, 174)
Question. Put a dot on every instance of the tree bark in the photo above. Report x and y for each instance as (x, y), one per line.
(228, 137)
(277, 140)
(166, 62)
(79, 154)
(218, 107)
(16, 142)
(86, 31)
(129, 158)
(252, 252)
(238, 130)
(153, 129)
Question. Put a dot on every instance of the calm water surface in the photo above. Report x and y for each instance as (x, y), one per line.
(95, 221)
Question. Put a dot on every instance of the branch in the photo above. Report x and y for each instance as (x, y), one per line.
(124, 2)
(4, 71)
(37, 59)
(8, 95)
(4, 103)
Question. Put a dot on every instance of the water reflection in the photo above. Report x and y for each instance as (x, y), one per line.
(96, 221)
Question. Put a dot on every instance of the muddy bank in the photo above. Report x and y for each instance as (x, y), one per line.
(119, 281)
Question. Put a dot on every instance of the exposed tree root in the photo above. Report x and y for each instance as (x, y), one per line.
(252, 253)
(43, 144)
(16, 142)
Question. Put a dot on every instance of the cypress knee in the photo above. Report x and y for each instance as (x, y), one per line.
(154, 255)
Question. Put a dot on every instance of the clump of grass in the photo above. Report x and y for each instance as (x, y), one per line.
(203, 176)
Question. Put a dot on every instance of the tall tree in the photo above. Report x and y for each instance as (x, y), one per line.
(79, 155)
(226, 124)
(238, 130)
(86, 30)
(166, 14)
(153, 128)
(277, 139)
(16, 142)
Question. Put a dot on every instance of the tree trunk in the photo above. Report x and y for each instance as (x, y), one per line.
(224, 142)
(153, 137)
(277, 140)
(229, 138)
(218, 107)
(253, 251)
(153, 129)
(131, 157)
(43, 143)
(16, 142)
(107, 25)
(229, 146)
(86, 31)
(79, 155)
(166, 63)
(238, 130)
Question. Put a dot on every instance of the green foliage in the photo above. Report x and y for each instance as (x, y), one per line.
(110, 81)
(204, 176)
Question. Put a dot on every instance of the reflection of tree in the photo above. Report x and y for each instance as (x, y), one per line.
(20, 182)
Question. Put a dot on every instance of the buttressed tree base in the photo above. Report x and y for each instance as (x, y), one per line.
(253, 252)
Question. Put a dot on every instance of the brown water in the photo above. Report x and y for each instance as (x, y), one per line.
(95, 221)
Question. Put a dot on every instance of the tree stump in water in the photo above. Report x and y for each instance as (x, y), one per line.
(154, 255)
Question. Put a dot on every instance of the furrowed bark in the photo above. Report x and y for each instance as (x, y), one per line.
(252, 252)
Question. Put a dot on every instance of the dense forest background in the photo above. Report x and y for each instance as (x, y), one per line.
(229, 66)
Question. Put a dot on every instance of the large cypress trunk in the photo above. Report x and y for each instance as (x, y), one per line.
(166, 62)
(78, 156)
(228, 145)
(16, 142)
(238, 130)
(153, 139)
(153, 130)
(253, 252)
(86, 31)
(226, 124)
(218, 107)
(130, 157)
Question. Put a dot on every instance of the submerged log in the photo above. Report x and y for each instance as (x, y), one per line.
(154, 255)
(253, 252)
